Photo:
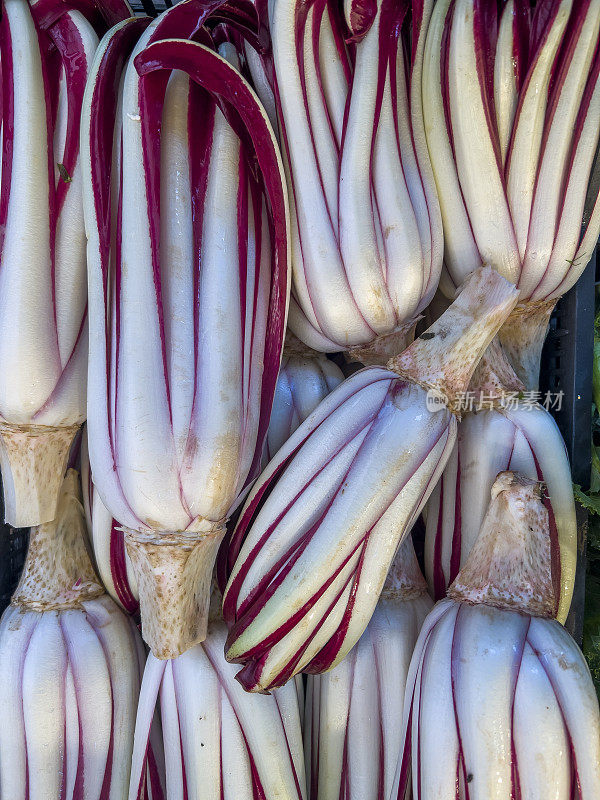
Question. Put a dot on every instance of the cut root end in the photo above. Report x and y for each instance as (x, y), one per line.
(174, 572)
(510, 565)
(522, 337)
(58, 573)
(33, 460)
(444, 357)
(380, 350)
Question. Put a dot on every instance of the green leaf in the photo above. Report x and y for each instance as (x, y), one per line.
(593, 538)
(62, 171)
(595, 478)
(591, 628)
(590, 501)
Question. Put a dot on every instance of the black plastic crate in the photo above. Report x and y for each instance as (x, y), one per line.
(567, 362)
(13, 547)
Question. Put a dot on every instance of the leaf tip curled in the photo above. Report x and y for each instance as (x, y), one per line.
(360, 15)
(249, 680)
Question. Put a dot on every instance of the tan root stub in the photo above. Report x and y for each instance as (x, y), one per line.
(444, 357)
(174, 573)
(33, 459)
(510, 563)
(494, 378)
(380, 350)
(522, 337)
(58, 573)
(405, 580)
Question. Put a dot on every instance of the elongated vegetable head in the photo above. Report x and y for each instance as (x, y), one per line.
(366, 226)
(187, 219)
(510, 434)
(511, 99)
(499, 698)
(322, 524)
(47, 50)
